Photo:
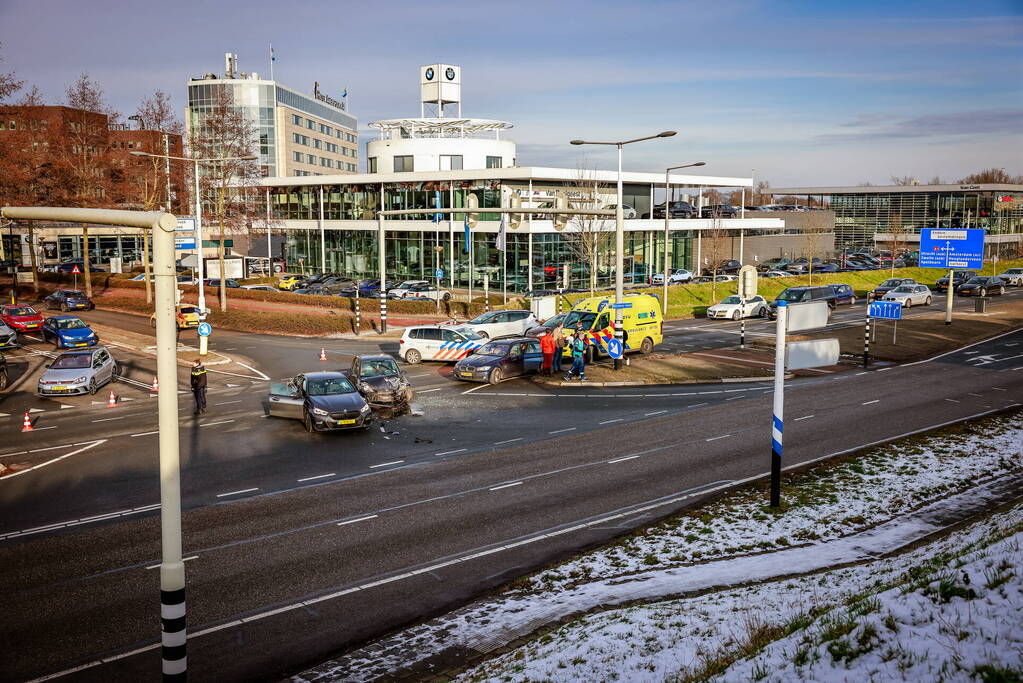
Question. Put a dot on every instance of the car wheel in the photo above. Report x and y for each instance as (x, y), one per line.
(3, 380)
(909, 303)
(647, 346)
(412, 356)
(983, 292)
(495, 376)
(927, 301)
(1001, 290)
(735, 316)
(92, 386)
(446, 297)
(852, 301)
(152, 321)
(308, 422)
(113, 373)
(483, 334)
(63, 307)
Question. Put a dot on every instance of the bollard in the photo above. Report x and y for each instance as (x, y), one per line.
(358, 312)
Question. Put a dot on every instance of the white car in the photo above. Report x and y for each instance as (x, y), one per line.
(260, 288)
(1013, 276)
(427, 291)
(627, 211)
(436, 342)
(677, 276)
(498, 324)
(399, 291)
(909, 295)
(732, 308)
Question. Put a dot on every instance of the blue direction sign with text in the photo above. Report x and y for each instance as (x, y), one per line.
(627, 304)
(614, 348)
(951, 248)
(889, 310)
(204, 329)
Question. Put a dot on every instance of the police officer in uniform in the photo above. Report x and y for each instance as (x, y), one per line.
(199, 386)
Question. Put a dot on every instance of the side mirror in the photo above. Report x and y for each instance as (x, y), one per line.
(47, 365)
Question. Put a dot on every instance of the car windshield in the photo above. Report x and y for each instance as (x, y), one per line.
(74, 293)
(188, 310)
(70, 324)
(22, 310)
(791, 295)
(328, 386)
(485, 318)
(730, 300)
(553, 322)
(891, 283)
(497, 350)
(977, 281)
(580, 317)
(72, 362)
(904, 289)
(378, 368)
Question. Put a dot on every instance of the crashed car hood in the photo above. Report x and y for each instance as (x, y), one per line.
(336, 403)
(383, 382)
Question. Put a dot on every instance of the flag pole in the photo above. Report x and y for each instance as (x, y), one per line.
(271, 61)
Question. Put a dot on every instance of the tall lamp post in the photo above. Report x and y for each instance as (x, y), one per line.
(620, 234)
(667, 213)
(198, 213)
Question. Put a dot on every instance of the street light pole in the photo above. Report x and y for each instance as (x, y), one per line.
(620, 236)
(667, 197)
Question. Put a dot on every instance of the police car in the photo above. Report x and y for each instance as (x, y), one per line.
(437, 342)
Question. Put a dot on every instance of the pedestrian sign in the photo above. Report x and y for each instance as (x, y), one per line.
(205, 329)
(953, 249)
(614, 348)
(887, 310)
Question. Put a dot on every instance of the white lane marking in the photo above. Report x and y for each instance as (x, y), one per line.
(560, 431)
(318, 476)
(39, 429)
(999, 389)
(86, 447)
(734, 398)
(607, 422)
(951, 400)
(210, 424)
(426, 391)
(16, 453)
(973, 394)
(504, 486)
(360, 519)
(883, 369)
(50, 448)
(145, 433)
(235, 493)
(385, 464)
(867, 403)
(627, 457)
(697, 405)
(715, 438)
(183, 559)
(108, 419)
(861, 373)
(224, 403)
(459, 450)
(498, 443)
(942, 355)
(261, 375)
(656, 412)
(425, 374)
(805, 417)
(469, 391)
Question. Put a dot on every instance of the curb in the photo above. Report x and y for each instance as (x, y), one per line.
(720, 380)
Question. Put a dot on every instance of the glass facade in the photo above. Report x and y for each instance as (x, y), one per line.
(101, 247)
(254, 100)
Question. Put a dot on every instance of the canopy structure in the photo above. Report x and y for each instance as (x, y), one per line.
(405, 128)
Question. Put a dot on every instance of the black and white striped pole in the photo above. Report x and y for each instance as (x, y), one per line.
(486, 293)
(382, 256)
(866, 339)
(742, 323)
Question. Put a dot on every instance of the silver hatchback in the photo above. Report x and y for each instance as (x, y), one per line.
(82, 371)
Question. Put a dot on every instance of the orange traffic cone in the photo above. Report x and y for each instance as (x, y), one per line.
(323, 353)
(27, 426)
(112, 401)
(156, 386)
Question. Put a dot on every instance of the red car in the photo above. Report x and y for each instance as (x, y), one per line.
(21, 318)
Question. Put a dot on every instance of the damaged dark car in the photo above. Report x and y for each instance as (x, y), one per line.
(379, 380)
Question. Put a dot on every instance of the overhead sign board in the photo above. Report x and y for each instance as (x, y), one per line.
(747, 282)
(808, 316)
(186, 224)
(814, 353)
(888, 310)
(184, 240)
(951, 248)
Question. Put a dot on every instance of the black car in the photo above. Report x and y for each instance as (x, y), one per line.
(958, 277)
(798, 295)
(676, 210)
(69, 267)
(379, 380)
(719, 211)
(775, 264)
(69, 300)
(982, 286)
(726, 267)
(890, 284)
(323, 401)
(500, 359)
(215, 282)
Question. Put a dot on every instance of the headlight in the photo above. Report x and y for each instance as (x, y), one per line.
(319, 411)
(483, 368)
(80, 379)
(365, 408)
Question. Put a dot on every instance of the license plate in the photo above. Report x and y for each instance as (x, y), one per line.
(59, 388)
(346, 422)
(466, 374)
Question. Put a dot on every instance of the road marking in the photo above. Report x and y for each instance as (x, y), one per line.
(224, 403)
(235, 493)
(715, 438)
(977, 395)
(697, 405)
(607, 422)
(734, 398)
(385, 464)
(426, 391)
(951, 400)
(504, 486)
(566, 429)
(210, 424)
(628, 457)
(805, 417)
(469, 391)
(360, 519)
(318, 476)
(498, 443)
(57, 459)
(145, 433)
(425, 374)
(108, 419)
(656, 412)
(861, 373)
(867, 403)
(450, 452)
(39, 429)
(183, 559)
(4, 455)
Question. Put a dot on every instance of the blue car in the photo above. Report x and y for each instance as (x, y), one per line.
(69, 300)
(68, 332)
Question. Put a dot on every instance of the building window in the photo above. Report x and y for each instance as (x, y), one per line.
(371, 165)
(298, 156)
(403, 164)
(451, 162)
(326, 130)
(311, 159)
(310, 124)
(330, 147)
(317, 144)
(493, 162)
(296, 119)
(324, 161)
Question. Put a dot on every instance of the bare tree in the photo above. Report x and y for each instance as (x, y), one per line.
(936, 180)
(716, 248)
(9, 84)
(224, 133)
(991, 175)
(759, 192)
(903, 180)
(812, 238)
(590, 235)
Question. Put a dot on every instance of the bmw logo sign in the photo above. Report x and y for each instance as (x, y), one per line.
(429, 74)
(449, 73)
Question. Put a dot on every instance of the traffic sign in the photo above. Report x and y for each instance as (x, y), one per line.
(813, 353)
(438, 273)
(954, 249)
(75, 270)
(747, 282)
(625, 304)
(806, 316)
(614, 348)
(888, 310)
(185, 224)
(204, 329)
(184, 241)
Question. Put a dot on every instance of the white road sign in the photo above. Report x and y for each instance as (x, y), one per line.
(807, 316)
(814, 353)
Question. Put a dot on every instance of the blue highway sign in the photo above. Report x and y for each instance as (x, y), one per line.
(951, 248)
(888, 310)
(204, 329)
(627, 304)
(614, 348)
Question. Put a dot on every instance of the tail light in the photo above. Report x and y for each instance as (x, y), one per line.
(401, 341)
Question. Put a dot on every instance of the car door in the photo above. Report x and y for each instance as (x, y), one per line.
(432, 342)
(453, 346)
(532, 357)
(286, 399)
(513, 363)
(47, 329)
(107, 366)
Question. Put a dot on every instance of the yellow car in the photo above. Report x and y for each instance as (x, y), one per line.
(185, 315)
(641, 323)
(289, 282)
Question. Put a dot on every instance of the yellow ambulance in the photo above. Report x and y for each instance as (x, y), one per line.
(642, 325)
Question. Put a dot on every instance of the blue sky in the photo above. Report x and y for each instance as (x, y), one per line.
(806, 93)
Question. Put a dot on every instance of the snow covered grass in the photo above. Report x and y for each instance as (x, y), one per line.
(823, 503)
(947, 611)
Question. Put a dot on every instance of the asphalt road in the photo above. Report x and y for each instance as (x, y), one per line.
(321, 541)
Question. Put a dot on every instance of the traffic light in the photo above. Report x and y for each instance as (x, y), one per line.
(514, 219)
(472, 203)
(560, 204)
